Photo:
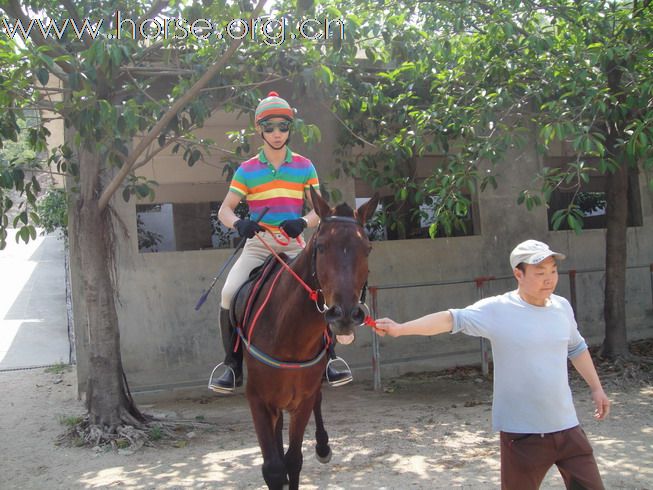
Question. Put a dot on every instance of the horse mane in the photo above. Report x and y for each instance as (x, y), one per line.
(344, 210)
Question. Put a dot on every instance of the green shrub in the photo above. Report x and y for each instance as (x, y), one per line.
(52, 209)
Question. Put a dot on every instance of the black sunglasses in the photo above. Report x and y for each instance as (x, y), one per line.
(269, 126)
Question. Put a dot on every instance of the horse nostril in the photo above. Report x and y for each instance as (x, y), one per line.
(333, 314)
(358, 314)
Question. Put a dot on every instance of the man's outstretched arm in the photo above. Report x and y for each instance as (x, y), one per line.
(433, 324)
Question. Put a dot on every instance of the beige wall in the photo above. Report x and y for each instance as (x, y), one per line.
(54, 124)
(167, 345)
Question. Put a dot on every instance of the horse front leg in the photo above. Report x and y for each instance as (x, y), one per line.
(294, 459)
(278, 432)
(266, 421)
(322, 449)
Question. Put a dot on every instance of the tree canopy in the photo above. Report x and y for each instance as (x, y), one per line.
(466, 79)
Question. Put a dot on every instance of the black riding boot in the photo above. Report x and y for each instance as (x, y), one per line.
(233, 361)
(337, 370)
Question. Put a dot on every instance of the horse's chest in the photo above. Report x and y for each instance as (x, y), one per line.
(287, 390)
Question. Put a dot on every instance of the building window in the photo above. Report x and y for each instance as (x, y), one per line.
(413, 217)
(399, 221)
(169, 227)
(591, 198)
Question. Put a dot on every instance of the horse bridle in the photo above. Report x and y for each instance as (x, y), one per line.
(333, 219)
(314, 293)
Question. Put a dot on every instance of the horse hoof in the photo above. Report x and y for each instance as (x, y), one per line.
(324, 459)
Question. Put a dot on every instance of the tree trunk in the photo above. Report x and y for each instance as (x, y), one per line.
(108, 399)
(615, 343)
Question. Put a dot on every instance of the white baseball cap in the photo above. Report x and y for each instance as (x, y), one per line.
(532, 252)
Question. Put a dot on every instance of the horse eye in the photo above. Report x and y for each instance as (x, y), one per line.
(320, 248)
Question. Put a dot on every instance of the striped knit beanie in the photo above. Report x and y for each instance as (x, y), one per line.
(273, 106)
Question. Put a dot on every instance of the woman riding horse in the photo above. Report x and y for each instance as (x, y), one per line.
(277, 179)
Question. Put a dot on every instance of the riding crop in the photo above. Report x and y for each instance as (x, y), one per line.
(240, 245)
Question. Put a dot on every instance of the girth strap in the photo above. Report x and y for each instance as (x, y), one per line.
(275, 363)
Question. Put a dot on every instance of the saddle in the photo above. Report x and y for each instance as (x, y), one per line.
(248, 293)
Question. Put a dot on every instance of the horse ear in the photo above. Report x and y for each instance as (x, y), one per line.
(366, 211)
(320, 206)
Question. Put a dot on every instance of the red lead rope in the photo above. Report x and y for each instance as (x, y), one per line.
(312, 294)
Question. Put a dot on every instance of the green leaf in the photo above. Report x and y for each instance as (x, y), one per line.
(574, 223)
(521, 198)
(43, 75)
(143, 190)
(326, 75)
(24, 233)
(195, 155)
(557, 218)
(461, 208)
(643, 140)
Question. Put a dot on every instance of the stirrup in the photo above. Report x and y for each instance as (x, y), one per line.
(346, 376)
(222, 389)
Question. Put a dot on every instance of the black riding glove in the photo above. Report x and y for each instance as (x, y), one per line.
(247, 227)
(293, 227)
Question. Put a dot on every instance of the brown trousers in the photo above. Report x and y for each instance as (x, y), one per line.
(526, 458)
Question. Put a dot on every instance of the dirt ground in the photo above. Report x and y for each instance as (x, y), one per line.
(430, 430)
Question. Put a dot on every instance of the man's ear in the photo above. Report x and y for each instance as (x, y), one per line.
(518, 273)
(321, 207)
(366, 211)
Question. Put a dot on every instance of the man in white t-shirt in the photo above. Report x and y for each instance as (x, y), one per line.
(533, 332)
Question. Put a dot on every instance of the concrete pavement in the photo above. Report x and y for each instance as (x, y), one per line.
(33, 319)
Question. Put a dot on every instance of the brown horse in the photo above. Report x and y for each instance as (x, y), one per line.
(285, 350)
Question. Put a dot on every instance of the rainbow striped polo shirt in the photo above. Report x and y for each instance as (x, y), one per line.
(280, 190)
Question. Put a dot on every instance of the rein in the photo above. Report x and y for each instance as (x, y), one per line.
(313, 295)
(260, 355)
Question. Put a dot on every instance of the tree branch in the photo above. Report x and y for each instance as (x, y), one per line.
(168, 116)
(150, 155)
(155, 9)
(154, 71)
(267, 81)
(61, 69)
(74, 15)
(360, 138)
(178, 139)
(48, 89)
